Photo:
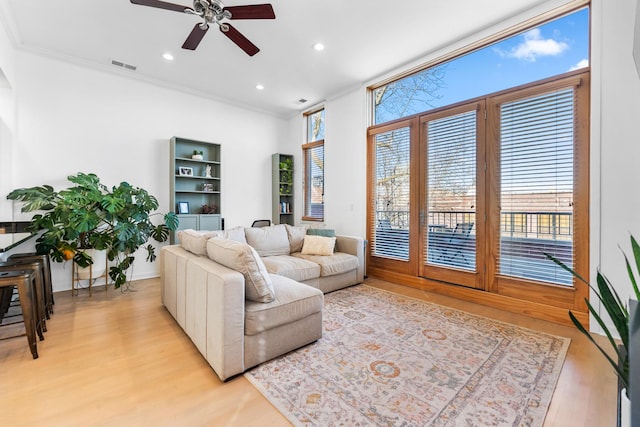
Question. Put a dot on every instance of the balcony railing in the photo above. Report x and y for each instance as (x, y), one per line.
(528, 225)
(524, 239)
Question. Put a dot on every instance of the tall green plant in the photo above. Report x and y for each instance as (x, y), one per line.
(89, 215)
(617, 310)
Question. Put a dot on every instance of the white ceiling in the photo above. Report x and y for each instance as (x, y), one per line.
(363, 39)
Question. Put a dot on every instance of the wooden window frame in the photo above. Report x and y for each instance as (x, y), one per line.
(307, 182)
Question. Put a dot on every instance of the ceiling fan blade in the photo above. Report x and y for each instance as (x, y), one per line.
(242, 42)
(195, 37)
(254, 11)
(161, 5)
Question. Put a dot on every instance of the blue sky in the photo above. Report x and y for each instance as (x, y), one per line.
(550, 49)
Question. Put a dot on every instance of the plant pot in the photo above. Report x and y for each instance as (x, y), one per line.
(624, 417)
(197, 157)
(98, 267)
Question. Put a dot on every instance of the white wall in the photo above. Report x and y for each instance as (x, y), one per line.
(615, 142)
(73, 119)
(618, 140)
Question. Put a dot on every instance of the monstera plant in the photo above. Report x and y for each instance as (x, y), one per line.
(90, 215)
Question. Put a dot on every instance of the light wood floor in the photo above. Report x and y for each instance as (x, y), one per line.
(119, 359)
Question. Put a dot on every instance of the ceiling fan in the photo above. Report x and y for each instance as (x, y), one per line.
(214, 11)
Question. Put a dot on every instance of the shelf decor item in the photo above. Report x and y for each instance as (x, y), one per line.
(89, 215)
(183, 207)
(185, 171)
(207, 187)
(209, 209)
(197, 155)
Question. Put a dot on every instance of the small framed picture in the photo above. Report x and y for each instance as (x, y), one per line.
(183, 207)
(185, 171)
(207, 187)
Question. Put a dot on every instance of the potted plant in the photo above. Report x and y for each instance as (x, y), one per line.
(618, 312)
(197, 155)
(89, 215)
(286, 164)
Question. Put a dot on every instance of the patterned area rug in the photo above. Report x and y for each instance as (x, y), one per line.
(390, 360)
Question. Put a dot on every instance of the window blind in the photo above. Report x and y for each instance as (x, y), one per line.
(392, 197)
(451, 191)
(314, 181)
(536, 186)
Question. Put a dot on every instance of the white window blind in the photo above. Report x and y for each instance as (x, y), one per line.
(392, 197)
(451, 194)
(536, 186)
(314, 182)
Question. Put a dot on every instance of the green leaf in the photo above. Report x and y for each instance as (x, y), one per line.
(112, 204)
(160, 233)
(35, 198)
(614, 364)
(172, 221)
(614, 307)
(567, 268)
(636, 256)
(151, 253)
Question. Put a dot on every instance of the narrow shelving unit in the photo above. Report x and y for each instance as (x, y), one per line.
(282, 189)
(195, 184)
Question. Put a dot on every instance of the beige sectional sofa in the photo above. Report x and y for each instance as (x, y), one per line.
(247, 295)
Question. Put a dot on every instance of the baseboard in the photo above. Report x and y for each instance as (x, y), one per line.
(506, 303)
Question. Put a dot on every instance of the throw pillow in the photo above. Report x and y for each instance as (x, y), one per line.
(326, 232)
(236, 234)
(243, 258)
(196, 241)
(268, 241)
(318, 245)
(296, 237)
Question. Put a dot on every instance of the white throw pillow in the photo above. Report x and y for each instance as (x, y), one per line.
(296, 237)
(318, 245)
(196, 241)
(243, 259)
(236, 234)
(268, 241)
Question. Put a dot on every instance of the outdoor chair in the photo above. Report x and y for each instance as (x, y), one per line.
(455, 245)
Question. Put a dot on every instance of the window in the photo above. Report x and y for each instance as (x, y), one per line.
(313, 157)
(547, 50)
(476, 191)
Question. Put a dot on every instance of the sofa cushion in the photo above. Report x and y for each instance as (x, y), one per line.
(196, 241)
(318, 245)
(293, 301)
(268, 241)
(296, 237)
(244, 259)
(236, 234)
(331, 265)
(294, 268)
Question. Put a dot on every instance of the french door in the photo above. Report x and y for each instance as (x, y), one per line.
(452, 195)
(479, 193)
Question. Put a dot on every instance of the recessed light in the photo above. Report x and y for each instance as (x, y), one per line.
(259, 87)
(318, 46)
(167, 56)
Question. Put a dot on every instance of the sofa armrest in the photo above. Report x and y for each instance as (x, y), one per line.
(207, 301)
(355, 246)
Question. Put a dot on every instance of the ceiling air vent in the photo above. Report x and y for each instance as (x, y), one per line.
(123, 65)
(301, 101)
